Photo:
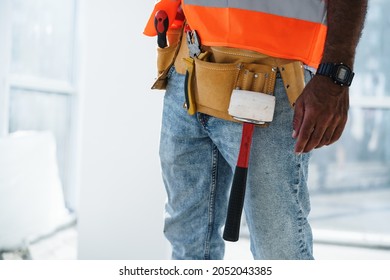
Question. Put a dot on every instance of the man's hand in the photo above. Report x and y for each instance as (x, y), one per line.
(320, 115)
(322, 109)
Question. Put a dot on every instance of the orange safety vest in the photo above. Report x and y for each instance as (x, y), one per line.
(292, 29)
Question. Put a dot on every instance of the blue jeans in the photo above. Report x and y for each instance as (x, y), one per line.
(198, 155)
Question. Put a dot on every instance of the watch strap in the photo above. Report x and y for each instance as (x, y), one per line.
(326, 69)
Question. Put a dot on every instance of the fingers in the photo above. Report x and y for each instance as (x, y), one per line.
(326, 138)
(306, 137)
(298, 117)
(314, 136)
(337, 133)
(333, 132)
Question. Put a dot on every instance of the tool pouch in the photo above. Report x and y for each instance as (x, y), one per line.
(166, 58)
(293, 76)
(215, 82)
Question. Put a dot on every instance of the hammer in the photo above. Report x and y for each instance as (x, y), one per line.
(250, 108)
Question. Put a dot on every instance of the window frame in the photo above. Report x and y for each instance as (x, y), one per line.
(10, 81)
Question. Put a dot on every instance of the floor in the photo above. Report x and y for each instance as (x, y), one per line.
(350, 225)
(240, 251)
(60, 246)
(63, 246)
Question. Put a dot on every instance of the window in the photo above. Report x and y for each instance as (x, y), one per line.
(350, 180)
(40, 88)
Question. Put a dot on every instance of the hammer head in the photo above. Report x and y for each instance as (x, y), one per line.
(250, 106)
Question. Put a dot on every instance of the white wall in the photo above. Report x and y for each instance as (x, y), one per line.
(122, 195)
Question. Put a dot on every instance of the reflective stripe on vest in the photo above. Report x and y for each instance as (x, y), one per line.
(310, 10)
(293, 29)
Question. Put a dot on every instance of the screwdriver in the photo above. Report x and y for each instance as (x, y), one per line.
(161, 23)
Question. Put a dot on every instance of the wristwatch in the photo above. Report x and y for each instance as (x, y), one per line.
(340, 73)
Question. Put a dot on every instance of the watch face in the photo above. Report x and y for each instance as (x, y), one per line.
(342, 73)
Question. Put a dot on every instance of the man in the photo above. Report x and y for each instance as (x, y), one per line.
(198, 152)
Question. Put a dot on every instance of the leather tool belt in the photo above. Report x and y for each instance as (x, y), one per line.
(214, 74)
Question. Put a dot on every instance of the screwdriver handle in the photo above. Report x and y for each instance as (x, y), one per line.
(161, 23)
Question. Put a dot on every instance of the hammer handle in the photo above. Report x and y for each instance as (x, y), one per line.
(236, 204)
(237, 192)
